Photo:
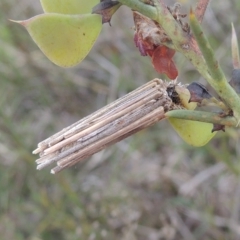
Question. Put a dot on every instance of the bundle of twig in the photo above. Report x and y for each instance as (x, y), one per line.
(131, 113)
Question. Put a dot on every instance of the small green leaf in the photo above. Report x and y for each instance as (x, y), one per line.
(194, 133)
(64, 39)
(68, 6)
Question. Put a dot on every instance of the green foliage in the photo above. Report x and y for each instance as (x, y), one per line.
(68, 7)
(64, 39)
(194, 133)
(66, 32)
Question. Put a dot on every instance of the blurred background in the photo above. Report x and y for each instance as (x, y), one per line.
(150, 186)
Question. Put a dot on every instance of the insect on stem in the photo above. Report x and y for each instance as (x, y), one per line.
(133, 112)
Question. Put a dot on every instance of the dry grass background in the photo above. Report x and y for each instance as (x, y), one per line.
(150, 186)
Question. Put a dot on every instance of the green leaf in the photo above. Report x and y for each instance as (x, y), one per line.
(68, 6)
(194, 133)
(64, 39)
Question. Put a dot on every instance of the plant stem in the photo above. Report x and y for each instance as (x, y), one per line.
(182, 42)
(213, 66)
(202, 117)
(186, 44)
(145, 9)
(218, 80)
